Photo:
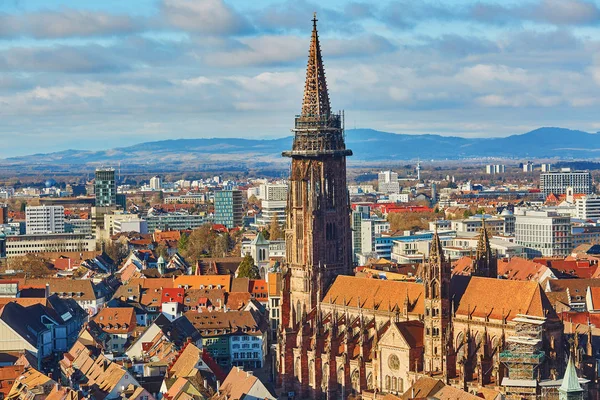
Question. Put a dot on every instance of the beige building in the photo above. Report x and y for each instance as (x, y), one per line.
(54, 242)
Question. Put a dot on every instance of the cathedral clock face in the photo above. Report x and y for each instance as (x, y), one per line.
(394, 362)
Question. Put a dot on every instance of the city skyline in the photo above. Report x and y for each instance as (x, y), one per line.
(81, 76)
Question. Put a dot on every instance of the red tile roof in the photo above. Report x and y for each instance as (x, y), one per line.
(116, 320)
(172, 295)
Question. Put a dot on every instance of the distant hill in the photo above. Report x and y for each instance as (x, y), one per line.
(367, 145)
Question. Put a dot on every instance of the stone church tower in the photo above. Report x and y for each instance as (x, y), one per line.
(318, 236)
(436, 279)
(485, 263)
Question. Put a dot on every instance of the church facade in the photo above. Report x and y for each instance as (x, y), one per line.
(343, 335)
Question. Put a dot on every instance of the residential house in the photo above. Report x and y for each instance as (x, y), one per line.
(31, 385)
(118, 324)
(233, 337)
(172, 300)
(241, 384)
(96, 376)
(39, 329)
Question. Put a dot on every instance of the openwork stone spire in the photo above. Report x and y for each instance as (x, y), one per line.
(316, 97)
(436, 252)
(484, 250)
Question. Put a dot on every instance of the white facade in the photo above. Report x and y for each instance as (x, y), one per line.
(273, 191)
(370, 230)
(495, 169)
(155, 183)
(270, 209)
(588, 207)
(44, 219)
(399, 197)
(543, 233)
(557, 182)
(388, 182)
(546, 167)
(248, 350)
(61, 242)
(131, 225)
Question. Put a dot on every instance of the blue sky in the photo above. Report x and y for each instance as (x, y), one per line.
(102, 74)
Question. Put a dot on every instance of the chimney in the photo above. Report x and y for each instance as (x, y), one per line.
(47, 290)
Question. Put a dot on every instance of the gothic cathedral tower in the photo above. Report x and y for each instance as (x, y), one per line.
(485, 263)
(318, 236)
(436, 279)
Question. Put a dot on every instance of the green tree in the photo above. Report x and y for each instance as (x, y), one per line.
(247, 269)
(275, 231)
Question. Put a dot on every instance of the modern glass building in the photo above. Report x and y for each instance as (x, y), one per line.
(229, 208)
(105, 187)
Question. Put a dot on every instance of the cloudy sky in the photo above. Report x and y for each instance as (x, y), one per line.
(102, 74)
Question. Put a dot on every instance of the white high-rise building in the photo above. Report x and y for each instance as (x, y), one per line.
(388, 182)
(155, 183)
(543, 233)
(44, 219)
(273, 191)
(495, 169)
(273, 204)
(528, 167)
(370, 230)
(546, 167)
(588, 207)
(557, 182)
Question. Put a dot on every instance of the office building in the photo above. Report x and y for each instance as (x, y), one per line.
(53, 242)
(388, 182)
(44, 219)
(188, 198)
(359, 214)
(543, 233)
(370, 230)
(557, 182)
(274, 201)
(130, 225)
(588, 207)
(155, 183)
(77, 225)
(174, 221)
(228, 208)
(273, 191)
(105, 187)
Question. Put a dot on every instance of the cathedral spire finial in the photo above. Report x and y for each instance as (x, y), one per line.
(316, 96)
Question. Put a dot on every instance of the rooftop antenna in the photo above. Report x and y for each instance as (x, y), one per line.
(418, 169)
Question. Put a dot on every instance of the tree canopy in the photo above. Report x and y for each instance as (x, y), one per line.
(247, 269)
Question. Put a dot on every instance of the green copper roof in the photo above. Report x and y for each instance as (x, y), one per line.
(260, 239)
(570, 381)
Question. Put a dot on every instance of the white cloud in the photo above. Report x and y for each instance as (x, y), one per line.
(212, 17)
